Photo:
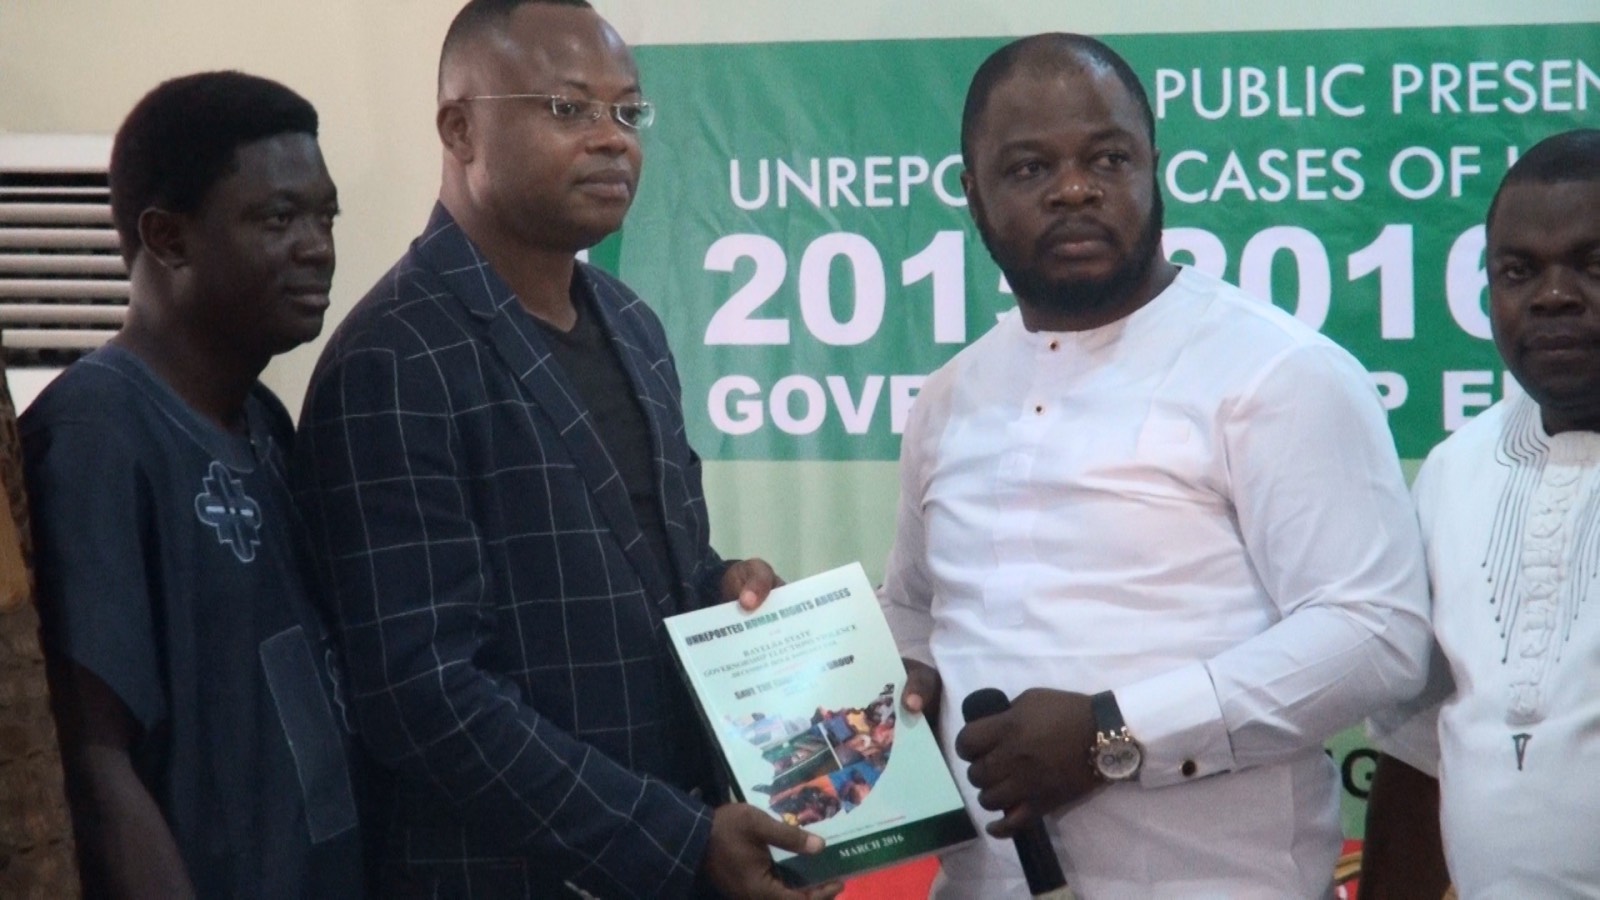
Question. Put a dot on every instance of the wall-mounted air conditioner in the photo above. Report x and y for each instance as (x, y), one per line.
(63, 285)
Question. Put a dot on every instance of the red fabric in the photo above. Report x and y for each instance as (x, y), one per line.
(913, 880)
(910, 881)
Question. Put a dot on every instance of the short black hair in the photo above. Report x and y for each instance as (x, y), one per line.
(1568, 156)
(180, 139)
(1052, 52)
(478, 16)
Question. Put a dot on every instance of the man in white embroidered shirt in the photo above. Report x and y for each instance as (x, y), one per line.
(1510, 507)
(1160, 515)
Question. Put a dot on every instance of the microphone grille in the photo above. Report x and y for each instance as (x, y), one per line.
(984, 702)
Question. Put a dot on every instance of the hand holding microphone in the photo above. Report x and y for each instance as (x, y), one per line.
(1022, 763)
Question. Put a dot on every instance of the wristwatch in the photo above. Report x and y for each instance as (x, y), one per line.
(1115, 756)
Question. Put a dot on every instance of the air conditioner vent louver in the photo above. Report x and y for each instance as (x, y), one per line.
(63, 285)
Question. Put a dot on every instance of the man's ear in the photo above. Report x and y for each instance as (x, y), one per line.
(162, 235)
(455, 130)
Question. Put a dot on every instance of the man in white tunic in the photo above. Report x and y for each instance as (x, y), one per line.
(1510, 509)
(1165, 518)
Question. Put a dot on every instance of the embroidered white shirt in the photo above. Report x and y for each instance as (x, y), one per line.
(1200, 507)
(1511, 520)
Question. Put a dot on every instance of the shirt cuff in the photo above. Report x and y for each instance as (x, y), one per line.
(1414, 741)
(912, 629)
(711, 582)
(1176, 719)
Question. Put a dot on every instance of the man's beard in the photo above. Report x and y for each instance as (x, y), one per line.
(1085, 295)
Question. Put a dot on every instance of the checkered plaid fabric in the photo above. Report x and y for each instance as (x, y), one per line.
(500, 612)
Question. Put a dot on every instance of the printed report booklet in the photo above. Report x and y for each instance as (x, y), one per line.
(803, 698)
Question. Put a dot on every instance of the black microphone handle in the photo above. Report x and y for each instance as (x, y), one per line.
(1037, 853)
(1035, 850)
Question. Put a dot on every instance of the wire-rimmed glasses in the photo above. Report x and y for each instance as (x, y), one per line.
(636, 115)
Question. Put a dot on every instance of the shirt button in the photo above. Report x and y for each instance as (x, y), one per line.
(1038, 409)
(1055, 345)
(1189, 768)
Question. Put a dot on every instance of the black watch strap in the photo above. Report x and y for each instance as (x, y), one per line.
(1107, 714)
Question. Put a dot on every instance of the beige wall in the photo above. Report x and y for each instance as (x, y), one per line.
(731, 21)
(71, 66)
(79, 65)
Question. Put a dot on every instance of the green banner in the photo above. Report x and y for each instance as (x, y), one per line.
(801, 229)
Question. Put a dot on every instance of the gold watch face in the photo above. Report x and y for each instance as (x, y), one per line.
(1117, 757)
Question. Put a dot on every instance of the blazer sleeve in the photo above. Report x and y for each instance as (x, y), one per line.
(402, 560)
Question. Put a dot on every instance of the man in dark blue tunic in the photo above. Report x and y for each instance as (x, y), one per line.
(203, 741)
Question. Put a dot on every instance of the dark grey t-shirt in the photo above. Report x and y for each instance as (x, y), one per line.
(170, 565)
(590, 362)
(592, 365)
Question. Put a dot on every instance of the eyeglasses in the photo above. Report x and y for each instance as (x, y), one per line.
(636, 115)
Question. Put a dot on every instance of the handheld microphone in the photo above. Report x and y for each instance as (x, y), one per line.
(1034, 849)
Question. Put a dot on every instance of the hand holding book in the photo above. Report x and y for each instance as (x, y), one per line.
(805, 697)
(738, 863)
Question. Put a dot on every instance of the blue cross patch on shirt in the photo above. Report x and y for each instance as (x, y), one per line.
(226, 507)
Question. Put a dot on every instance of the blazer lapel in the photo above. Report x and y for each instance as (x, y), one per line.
(654, 402)
(516, 339)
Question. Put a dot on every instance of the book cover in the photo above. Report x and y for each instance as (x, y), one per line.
(803, 698)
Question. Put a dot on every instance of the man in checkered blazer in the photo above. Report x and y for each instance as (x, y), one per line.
(503, 506)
